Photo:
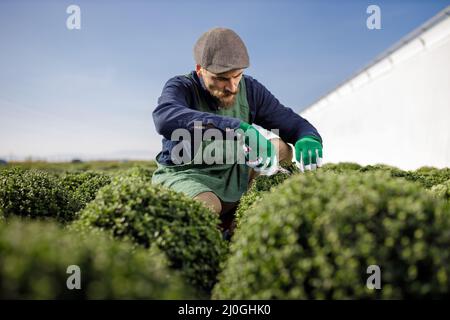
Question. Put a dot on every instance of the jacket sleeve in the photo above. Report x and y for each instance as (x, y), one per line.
(271, 114)
(174, 111)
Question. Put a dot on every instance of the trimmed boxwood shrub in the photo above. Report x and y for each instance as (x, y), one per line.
(442, 190)
(110, 167)
(344, 167)
(315, 235)
(263, 184)
(426, 176)
(341, 167)
(88, 189)
(145, 173)
(84, 185)
(132, 208)
(260, 185)
(71, 180)
(35, 194)
(429, 177)
(34, 258)
(381, 167)
(254, 194)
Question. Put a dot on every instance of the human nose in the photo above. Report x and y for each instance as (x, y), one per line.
(231, 86)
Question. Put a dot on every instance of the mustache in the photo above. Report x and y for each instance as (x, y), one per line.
(227, 93)
(222, 93)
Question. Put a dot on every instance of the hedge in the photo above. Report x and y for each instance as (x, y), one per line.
(35, 194)
(341, 167)
(442, 190)
(142, 172)
(35, 256)
(314, 236)
(84, 185)
(260, 185)
(254, 194)
(131, 208)
(265, 183)
(98, 166)
(429, 177)
(426, 176)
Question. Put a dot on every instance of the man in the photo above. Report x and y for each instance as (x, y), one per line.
(217, 95)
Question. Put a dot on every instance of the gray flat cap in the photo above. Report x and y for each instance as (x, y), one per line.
(220, 50)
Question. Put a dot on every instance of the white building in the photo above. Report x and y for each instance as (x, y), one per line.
(395, 111)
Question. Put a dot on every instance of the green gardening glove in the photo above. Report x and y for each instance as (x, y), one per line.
(259, 151)
(308, 153)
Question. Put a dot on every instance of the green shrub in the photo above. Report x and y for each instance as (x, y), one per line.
(426, 176)
(72, 180)
(131, 208)
(379, 167)
(429, 177)
(145, 173)
(263, 184)
(98, 166)
(442, 190)
(88, 190)
(35, 194)
(314, 236)
(341, 167)
(34, 258)
(84, 185)
(254, 194)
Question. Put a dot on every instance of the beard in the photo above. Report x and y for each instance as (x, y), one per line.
(225, 99)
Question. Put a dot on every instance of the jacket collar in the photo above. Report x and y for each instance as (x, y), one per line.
(212, 101)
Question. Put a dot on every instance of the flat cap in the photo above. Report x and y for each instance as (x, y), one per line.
(220, 50)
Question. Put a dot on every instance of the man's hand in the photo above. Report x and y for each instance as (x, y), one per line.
(259, 150)
(308, 152)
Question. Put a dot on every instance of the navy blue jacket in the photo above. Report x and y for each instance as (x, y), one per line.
(177, 108)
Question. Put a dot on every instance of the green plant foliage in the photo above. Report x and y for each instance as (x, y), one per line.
(72, 180)
(314, 236)
(260, 185)
(442, 190)
(35, 194)
(84, 185)
(254, 194)
(131, 208)
(141, 172)
(341, 167)
(62, 167)
(380, 167)
(426, 176)
(34, 258)
(429, 177)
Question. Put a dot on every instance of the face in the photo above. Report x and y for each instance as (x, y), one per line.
(223, 86)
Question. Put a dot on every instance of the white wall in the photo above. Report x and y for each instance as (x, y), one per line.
(396, 112)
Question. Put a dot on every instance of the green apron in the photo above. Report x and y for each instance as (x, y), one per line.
(227, 181)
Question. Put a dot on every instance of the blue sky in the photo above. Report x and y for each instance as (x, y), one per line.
(90, 93)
